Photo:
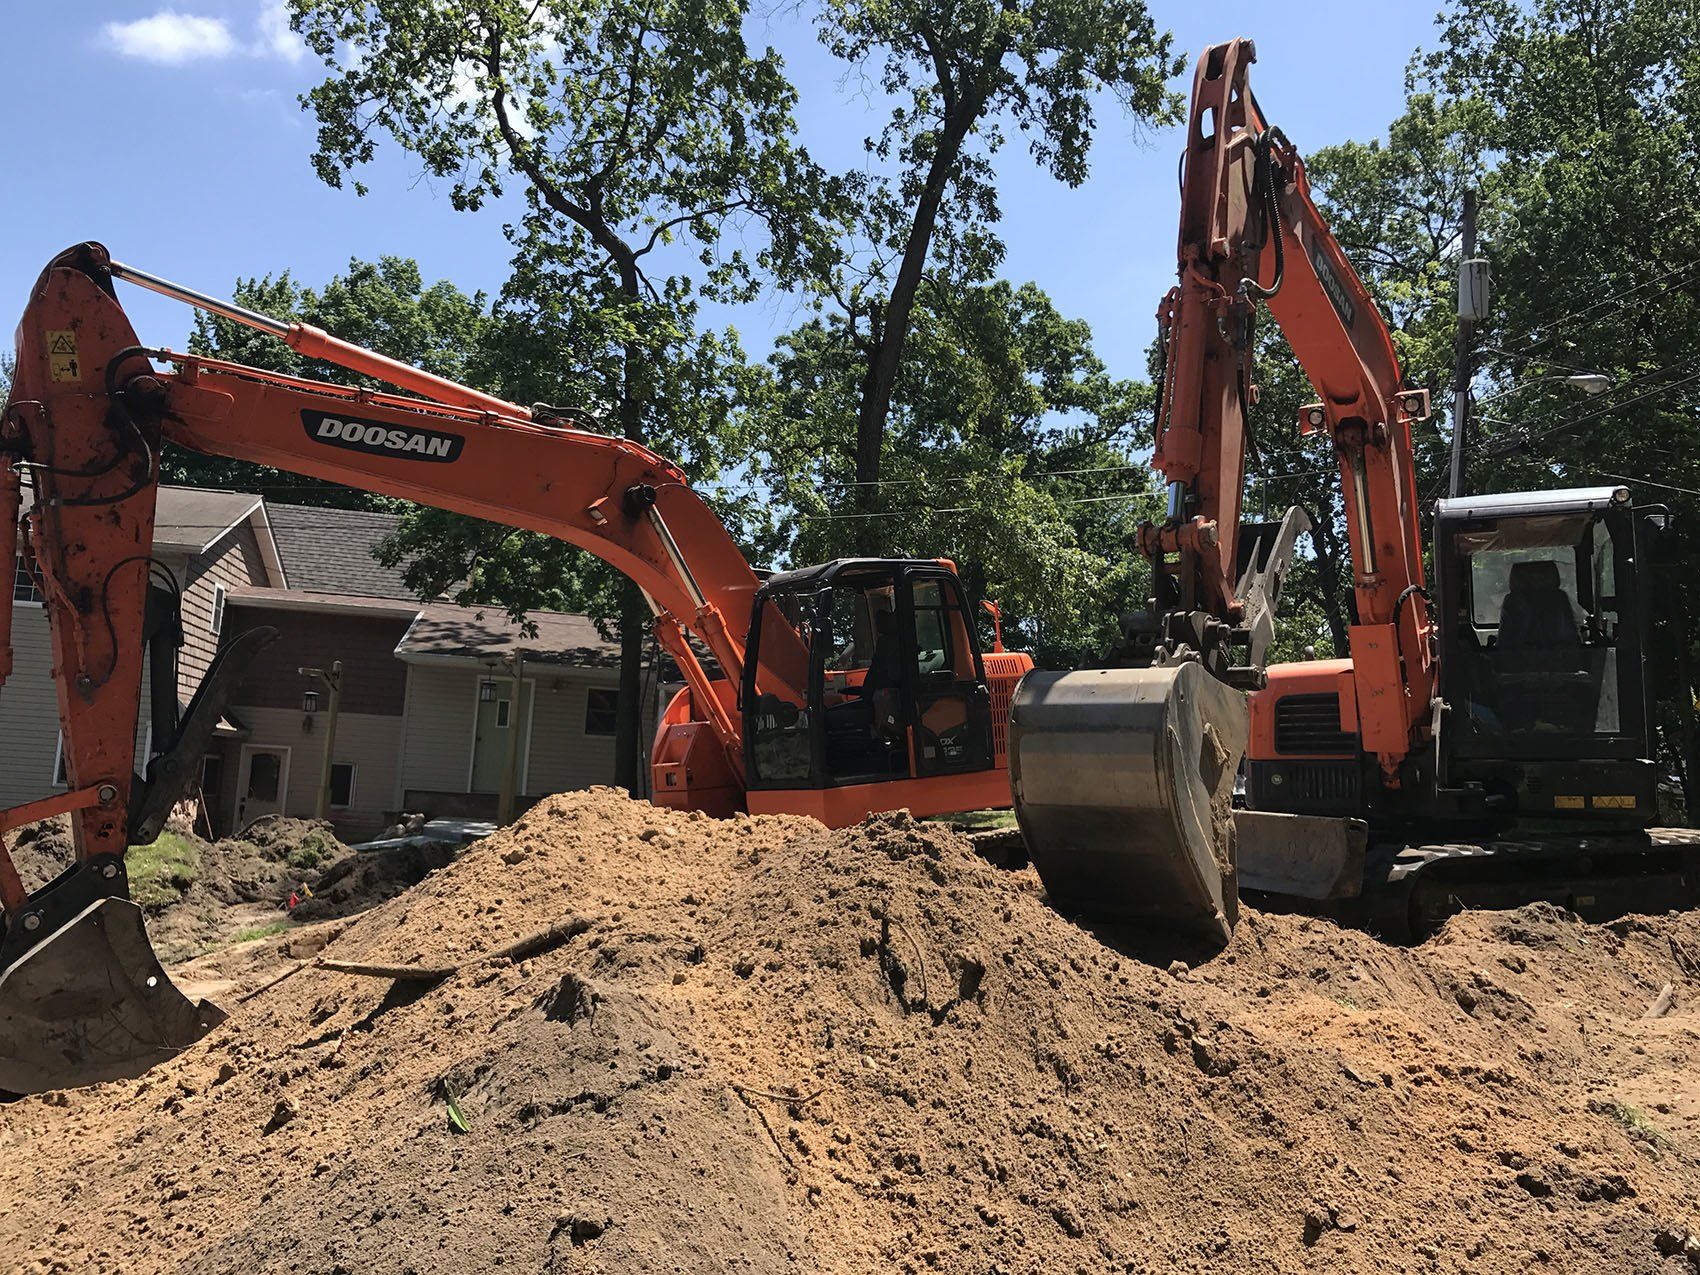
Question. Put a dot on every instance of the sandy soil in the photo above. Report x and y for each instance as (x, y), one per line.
(763, 1047)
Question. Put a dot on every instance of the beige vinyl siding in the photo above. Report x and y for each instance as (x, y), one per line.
(232, 562)
(437, 716)
(29, 712)
(370, 741)
(563, 757)
(440, 707)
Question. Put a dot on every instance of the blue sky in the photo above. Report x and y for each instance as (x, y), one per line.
(172, 134)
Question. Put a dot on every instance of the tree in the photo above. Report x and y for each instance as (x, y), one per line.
(383, 305)
(1593, 111)
(1008, 450)
(628, 124)
(960, 73)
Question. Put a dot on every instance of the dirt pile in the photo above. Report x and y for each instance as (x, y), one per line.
(199, 893)
(760, 1046)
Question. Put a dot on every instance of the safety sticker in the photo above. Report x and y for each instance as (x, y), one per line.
(62, 362)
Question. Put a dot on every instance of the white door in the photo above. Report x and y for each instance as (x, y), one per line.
(262, 783)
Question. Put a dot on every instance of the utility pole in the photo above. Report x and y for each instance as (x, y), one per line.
(332, 682)
(1472, 309)
(510, 769)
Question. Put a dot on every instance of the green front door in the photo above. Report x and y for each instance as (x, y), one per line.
(496, 725)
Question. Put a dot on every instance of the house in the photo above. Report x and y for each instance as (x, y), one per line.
(428, 711)
(210, 541)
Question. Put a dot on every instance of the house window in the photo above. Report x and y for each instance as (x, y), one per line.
(217, 622)
(342, 784)
(502, 711)
(601, 707)
(23, 584)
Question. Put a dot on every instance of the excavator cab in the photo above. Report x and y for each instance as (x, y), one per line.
(890, 689)
(1542, 625)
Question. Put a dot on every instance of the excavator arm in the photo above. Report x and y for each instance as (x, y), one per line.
(1250, 236)
(82, 997)
(1123, 776)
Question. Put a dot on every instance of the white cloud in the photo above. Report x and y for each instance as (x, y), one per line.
(276, 39)
(171, 38)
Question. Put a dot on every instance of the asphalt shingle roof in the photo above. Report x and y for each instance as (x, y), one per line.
(330, 551)
(486, 634)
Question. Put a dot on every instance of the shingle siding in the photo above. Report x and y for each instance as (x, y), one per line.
(232, 562)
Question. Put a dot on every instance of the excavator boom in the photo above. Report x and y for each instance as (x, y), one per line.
(82, 997)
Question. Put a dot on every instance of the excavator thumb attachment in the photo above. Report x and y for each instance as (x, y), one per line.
(83, 998)
(1123, 782)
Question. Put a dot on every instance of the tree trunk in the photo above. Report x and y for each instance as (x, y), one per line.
(634, 613)
(893, 328)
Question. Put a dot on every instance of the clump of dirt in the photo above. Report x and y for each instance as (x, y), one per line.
(757, 1045)
(203, 892)
(364, 880)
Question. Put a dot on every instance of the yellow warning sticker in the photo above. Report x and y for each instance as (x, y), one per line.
(1614, 803)
(1569, 803)
(62, 362)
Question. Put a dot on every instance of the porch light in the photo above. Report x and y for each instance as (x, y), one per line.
(309, 701)
(486, 691)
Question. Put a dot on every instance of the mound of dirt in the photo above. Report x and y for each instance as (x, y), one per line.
(211, 890)
(759, 1046)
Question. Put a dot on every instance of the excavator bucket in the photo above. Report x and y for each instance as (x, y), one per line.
(1123, 782)
(83, 998)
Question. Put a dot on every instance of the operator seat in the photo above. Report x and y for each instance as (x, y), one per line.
(883, 686)
(1537, 614)
(1538, 657)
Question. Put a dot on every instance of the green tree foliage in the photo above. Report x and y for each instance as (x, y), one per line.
(1593, 114)
(960, 74)
(384, 306)
(629, 125)
(1008, 450)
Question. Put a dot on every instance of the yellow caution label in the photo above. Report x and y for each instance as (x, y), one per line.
(1570, 803)
(62, 361)
(1614, 803)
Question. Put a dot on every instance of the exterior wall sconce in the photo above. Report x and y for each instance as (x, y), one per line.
(486, 691)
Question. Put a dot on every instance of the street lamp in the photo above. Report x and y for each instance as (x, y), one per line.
(1589, 383)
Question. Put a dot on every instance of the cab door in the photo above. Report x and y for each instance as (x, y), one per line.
(951, 723)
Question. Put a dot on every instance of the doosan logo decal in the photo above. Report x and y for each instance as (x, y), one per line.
(379, 438)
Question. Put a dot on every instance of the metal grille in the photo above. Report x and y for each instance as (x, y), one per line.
(1002, 673)
(1310, 724)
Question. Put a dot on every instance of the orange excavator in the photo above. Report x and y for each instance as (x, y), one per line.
(1488, 741)
(833, 691)
(841, 689)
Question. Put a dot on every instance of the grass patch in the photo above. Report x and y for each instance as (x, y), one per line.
(309, 854)
(1633, 1120)
(264, 931)
(161, 871)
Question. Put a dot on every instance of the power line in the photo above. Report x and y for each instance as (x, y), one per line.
(969, 509)
(1648, 482)
(968, 478)
(1617, 302)
(1519, 444)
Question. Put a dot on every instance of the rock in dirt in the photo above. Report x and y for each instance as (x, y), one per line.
(1031, 1096)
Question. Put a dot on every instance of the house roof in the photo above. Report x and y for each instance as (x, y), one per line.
(446, 634)
(193, 519)
(330, 551)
